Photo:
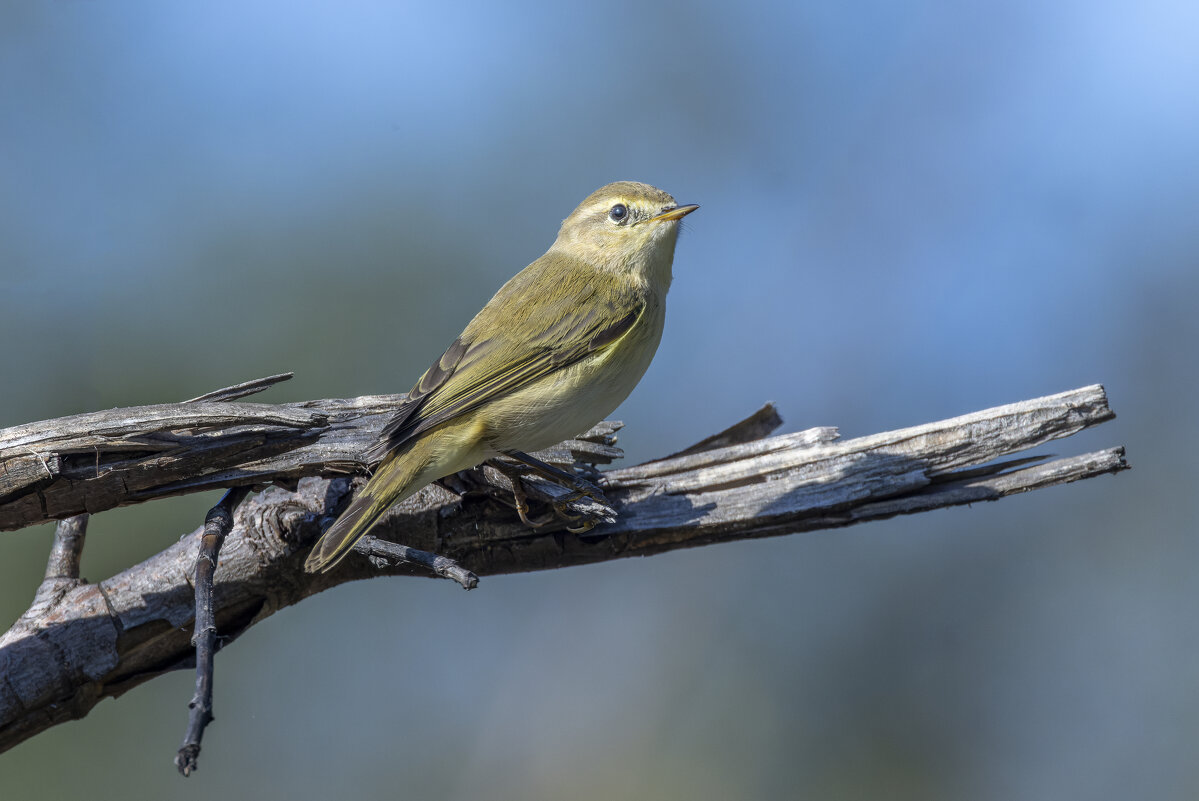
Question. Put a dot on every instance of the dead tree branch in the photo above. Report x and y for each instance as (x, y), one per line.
(100, 460)
(96, 640)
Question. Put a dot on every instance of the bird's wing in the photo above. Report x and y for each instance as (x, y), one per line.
(508, 346)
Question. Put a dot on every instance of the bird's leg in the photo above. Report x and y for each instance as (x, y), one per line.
(521, 500)
(579, 486)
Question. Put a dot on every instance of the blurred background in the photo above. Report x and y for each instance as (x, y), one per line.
(910, 211)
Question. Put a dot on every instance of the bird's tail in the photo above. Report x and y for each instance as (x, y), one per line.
(398, 477)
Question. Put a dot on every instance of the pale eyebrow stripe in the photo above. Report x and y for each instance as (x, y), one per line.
(607, 204)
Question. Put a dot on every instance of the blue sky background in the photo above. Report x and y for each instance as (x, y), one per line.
(909, 212)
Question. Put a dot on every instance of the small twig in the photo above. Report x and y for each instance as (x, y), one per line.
(67, 549)
(375, 548)
(217, 524)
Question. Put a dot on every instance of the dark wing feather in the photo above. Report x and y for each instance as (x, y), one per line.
(392, 435)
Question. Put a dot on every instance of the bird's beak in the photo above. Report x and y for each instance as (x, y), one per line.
(676, 213)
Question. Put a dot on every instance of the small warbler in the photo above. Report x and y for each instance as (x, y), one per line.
(551, 354)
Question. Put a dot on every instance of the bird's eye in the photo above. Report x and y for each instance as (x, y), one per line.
(618, 213)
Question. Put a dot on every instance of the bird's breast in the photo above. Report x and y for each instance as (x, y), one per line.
(570, 401)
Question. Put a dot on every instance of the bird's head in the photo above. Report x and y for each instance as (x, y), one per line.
(625, 226)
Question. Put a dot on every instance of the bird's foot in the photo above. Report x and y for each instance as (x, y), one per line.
(561, 506)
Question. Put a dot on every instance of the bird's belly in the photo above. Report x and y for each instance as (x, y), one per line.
(569, 402)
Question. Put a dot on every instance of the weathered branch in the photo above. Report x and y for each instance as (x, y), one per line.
(100, 640)
(97, 461)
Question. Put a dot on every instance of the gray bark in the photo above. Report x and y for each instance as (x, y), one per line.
(82, 642)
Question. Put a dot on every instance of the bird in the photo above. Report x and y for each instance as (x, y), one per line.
(556, 350)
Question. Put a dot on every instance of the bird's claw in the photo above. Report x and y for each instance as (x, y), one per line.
(587, 524)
